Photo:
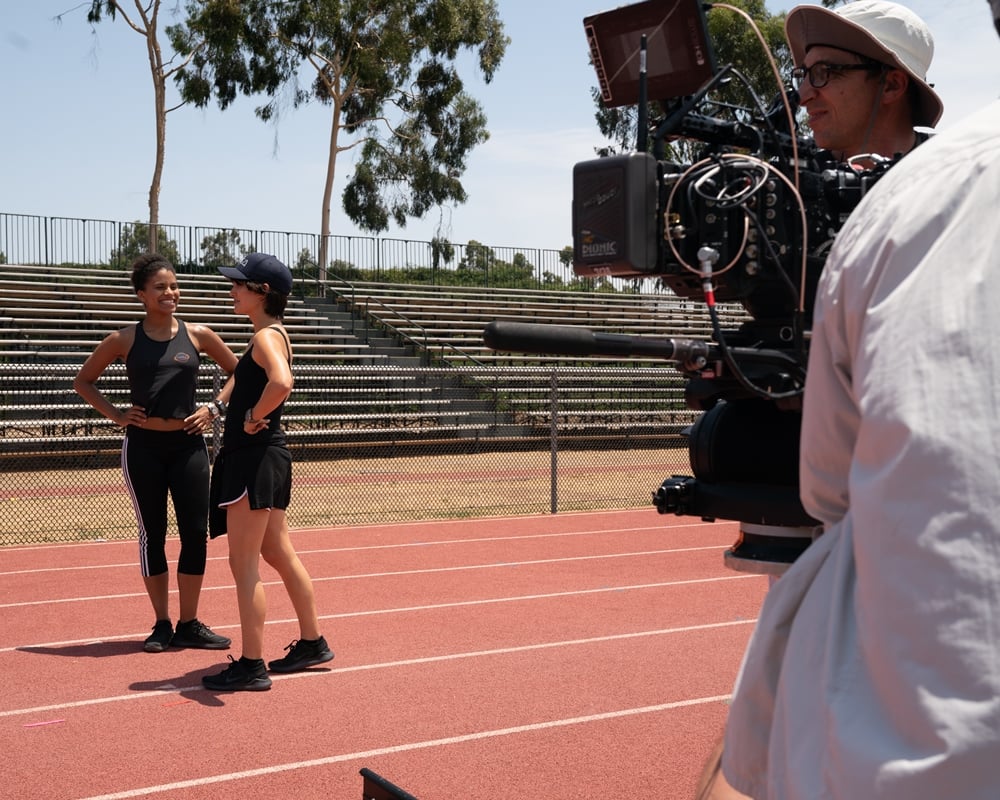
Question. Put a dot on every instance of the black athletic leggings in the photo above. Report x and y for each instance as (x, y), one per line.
(155, 462)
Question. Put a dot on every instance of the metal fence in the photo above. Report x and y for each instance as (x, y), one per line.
(27, 239)
(369, 444)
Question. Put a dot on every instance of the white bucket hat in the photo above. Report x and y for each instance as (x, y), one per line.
(877, 29)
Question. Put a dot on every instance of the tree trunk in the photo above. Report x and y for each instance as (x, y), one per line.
(331, 171)
(160, 109)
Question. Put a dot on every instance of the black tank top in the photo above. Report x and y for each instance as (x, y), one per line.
(249, 383)
(162, 376)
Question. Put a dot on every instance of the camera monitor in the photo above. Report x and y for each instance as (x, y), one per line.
(679, 55)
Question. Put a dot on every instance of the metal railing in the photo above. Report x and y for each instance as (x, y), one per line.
(49, 241)
(371, 442)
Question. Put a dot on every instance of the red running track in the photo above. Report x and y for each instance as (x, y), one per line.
(584, 655)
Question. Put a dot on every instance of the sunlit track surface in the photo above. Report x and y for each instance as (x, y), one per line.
(569, 656)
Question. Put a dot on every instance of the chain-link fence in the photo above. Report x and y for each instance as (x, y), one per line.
(370, 444)
(399, 411)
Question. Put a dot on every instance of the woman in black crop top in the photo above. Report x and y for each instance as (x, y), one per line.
(164, 448)
(252, 481)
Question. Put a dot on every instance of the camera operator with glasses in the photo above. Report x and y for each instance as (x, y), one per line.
(861, 74)
(874, 669)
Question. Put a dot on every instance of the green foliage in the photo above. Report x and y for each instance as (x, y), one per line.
(3, 257)
(98, 8)
(347, 271)
(519, 272)
(478, 258)
(442, 251)
(134, 240)
(478, 266)
(305, 263)
(738, 44)
(222, 248)
(388, 71)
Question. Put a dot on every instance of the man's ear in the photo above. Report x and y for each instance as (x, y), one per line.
(896, 85)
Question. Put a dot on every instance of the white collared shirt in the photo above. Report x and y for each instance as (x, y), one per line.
(874, 670)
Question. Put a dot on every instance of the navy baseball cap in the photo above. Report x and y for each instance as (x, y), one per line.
(261, 268)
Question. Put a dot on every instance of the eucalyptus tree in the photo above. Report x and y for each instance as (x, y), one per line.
(144, 19)
(389, 71)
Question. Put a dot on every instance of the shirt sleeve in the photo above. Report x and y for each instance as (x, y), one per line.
(830, 416)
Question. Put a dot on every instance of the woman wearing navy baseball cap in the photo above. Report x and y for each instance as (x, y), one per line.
(252, 481)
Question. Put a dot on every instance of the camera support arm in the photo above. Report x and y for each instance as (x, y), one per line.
(676, 117)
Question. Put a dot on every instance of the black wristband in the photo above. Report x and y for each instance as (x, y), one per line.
(221, 406)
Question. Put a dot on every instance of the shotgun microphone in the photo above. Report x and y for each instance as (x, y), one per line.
(569, 340)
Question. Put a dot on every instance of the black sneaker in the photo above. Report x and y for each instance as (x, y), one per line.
(239, 676)
(302, 653)
(197, 634)
(159, 639)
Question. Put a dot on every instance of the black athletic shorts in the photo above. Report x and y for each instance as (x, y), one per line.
(263, 473)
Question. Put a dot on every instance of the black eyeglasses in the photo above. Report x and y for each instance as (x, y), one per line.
(819, 73)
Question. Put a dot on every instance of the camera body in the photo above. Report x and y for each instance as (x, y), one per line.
(636, 217)
(748, 220)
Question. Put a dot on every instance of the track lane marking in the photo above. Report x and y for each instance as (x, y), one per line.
(167, 689)
(402, 525)
(388, 574)
(409, 746)
(362, 548)
(409, 609)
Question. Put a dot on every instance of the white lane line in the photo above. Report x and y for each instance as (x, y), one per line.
(410, 609)
(403, 748)
(388, 574)
(402, 524)
(409, 662)
(394, 546)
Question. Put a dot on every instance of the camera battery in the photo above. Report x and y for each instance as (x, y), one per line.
(614, 216)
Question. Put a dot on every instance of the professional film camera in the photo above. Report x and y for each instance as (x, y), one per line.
(748, 221)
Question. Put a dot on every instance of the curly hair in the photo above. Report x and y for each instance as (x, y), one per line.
(147, 265)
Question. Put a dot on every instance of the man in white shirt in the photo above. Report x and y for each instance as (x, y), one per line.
(874, 670)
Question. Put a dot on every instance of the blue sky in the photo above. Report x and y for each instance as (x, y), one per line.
(78, 139)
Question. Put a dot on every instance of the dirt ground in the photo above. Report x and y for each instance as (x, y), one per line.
(70, 505)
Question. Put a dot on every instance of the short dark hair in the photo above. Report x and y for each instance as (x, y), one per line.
(274, 302)
(914, 98)
(147, 265)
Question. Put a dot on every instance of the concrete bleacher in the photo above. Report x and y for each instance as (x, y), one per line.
(445, 324)
(331, 408)
(59, 314)
(357, 383)
(51, 319)
(448, 321)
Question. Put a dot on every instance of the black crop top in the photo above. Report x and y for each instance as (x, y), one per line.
(162, 376)
(249, 382)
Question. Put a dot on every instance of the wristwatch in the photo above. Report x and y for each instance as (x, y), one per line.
(214, 411)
